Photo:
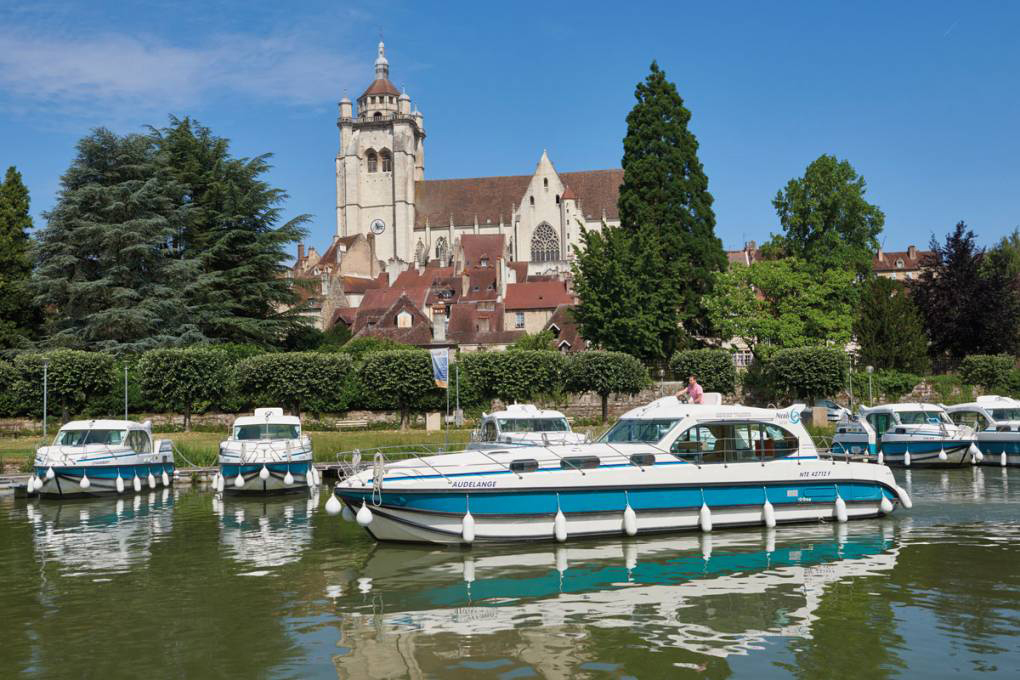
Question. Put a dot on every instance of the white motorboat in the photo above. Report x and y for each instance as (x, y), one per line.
(266, 453)
(94, 457)
(663, 467)
(523, 425)
(996, 424)
(908, 435)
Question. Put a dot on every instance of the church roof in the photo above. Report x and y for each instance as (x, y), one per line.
(381, 86)
(491, 199)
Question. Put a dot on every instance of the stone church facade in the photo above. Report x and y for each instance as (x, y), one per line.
(382, 193)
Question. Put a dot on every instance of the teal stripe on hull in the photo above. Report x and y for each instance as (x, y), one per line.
(108, 472)
(296, 468)
(594, 501)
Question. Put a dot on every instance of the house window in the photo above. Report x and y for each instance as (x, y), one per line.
(387, 160)
(372, 161)
(404, 320)
(484, 262)
(545, 246)
(519, 320)
(531, 199)
(743, 358)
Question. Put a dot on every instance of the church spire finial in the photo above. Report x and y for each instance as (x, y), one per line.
(382, 66)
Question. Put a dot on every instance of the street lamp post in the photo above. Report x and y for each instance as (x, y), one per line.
(45, 393)
(870, 370)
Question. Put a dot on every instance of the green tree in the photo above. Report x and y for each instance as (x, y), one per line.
(294, 379)
(234, 231)
(183, 377)
(521, 375)
(72, 379)
(1004, 257)
(543, 340)
(666, 250)
(605, 373)
(714, 368)
(398, 379)
(808, 372)
(783, 303)
(992, 372)
(889, 328)
(106, 263)
(966, 308)
(826, 220)
(358, 348)
(19, 318)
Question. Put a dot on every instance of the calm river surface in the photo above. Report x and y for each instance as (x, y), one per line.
(183, 585)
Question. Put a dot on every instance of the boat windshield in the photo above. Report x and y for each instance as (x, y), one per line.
(1006, 413)
(638, 431)
(265, 431)
(533, 425)
(923, 418)
(86, 437)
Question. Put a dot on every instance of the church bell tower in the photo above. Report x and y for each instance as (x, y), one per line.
(381, 156)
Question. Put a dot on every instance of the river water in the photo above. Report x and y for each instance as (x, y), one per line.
(180, 584)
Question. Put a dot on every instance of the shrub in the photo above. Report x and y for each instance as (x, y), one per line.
(400, 380)
(357, 348)
(885, 385)
(991, 371)
(543, 340)
(182, 377)
(605, 373)
(8, 380)
(74, 378)
(714, 368)
(808, 372)
(295, 380)
(520, 375)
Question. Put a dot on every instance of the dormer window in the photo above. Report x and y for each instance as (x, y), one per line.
(899, 263)
(484, 262)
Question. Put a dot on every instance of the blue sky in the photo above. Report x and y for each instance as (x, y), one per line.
(923, 98)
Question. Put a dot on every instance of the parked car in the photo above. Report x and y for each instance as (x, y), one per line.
(833, 411)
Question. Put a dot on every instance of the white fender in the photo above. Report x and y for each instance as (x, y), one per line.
(333, 505)
(239, 479)
(264, 473)
(152, 481)
(346, 514)
(881, 458)
(705, 518)
(119, 483)
(942, 455)
(885, 505)
(84, 483)
(1002, 459)
(906, 458)
(30, 486)
(50, 474)
(629, 521)
(467, 528)
(38, 483)
(904, 497)
(560, 526)
(364, 515)
(975, 453)
(165, 478)
(136, 483)
(768, 514)
(840, 508)
(288, 478)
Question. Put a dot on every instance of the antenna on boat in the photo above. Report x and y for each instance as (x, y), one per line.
(125, 392)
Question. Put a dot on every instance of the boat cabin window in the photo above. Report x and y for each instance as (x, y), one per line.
(579, 462)
(971, 419)
(732, 442)
(923, 418)
(533, 425)
(879, 422)
(86, 437)
(1006, 413)
(524, 465)
(265, 431)
(489, 431)
(643, 459)
(638, 431)
(138, 441)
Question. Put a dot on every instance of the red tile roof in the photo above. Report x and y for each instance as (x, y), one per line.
(564, 327)
(479, 246)
(537, 295)
(887, 261)
(415, 278)
(522, 270)
(485, 282)
(381, 86)
(345, 315)
(359, 284)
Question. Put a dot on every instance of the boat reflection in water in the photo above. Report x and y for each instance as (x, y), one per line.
(266, 532)
(102, 534)
(709, 596)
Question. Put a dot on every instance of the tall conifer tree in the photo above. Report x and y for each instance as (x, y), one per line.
(667, 249)
(106, 261)
(889, 328)
(18, 316)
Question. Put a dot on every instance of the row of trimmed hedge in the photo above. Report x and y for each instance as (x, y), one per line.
(193, 380)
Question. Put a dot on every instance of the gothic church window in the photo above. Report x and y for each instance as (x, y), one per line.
(419, 253)
(387, 160)
(545, 246)
(442, 250)
(372, 161)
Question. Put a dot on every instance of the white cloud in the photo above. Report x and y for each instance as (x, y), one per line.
(117, 71)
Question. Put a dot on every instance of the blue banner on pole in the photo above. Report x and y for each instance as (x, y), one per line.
(441, 366)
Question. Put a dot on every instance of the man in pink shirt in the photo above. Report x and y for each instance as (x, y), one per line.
(693, 390)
